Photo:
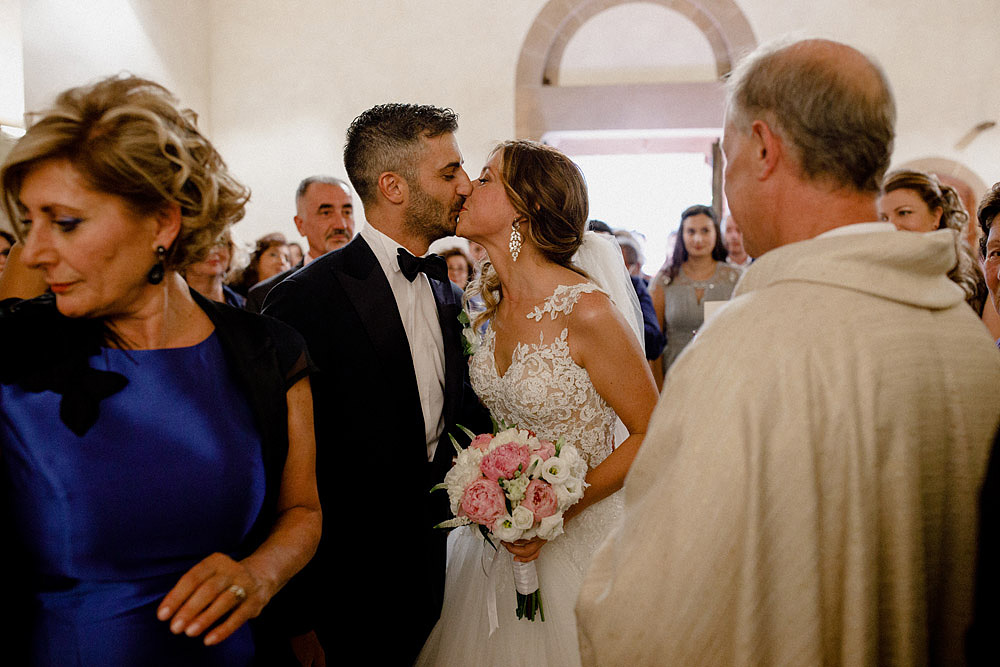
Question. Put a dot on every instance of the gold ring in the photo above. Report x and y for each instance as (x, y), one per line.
(239, 592)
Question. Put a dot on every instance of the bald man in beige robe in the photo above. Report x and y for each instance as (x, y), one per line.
(806, 493)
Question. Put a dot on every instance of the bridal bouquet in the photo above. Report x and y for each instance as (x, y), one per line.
(515, 486)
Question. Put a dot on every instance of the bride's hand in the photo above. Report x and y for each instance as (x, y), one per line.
(525, 551)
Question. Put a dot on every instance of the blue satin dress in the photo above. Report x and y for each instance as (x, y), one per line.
(171, 472)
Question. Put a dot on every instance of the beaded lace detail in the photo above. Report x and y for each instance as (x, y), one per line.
(544, 389)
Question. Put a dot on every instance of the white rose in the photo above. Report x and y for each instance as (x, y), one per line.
(551, 527)
(555, 470)
(505, 530)
(522, 517)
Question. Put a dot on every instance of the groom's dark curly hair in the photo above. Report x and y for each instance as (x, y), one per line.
(387, 138)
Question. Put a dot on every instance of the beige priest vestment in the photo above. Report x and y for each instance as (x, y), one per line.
(806, 492)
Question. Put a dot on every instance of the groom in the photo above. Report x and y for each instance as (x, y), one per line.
(382, 326)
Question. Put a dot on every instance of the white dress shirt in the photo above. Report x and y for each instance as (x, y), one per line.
(418, 310)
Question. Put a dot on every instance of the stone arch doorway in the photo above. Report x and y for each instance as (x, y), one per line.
(542, 105)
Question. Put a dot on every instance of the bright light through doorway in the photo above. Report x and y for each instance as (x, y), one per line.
(646, 193)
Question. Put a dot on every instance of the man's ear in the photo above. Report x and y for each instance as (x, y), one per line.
(298, 225)
(769, 150)
(168, 224)
(393, 187)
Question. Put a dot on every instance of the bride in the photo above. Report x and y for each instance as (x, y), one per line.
(559, 357)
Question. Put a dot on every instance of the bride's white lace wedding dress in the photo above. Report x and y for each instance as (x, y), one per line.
(545, 391)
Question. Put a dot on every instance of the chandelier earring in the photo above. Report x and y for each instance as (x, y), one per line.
(515, 239)
(155, 275)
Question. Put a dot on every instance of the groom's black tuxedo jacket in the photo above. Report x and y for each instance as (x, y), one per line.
(378, 576)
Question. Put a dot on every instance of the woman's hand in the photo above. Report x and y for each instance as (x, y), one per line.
(525, 551)
(210, 590)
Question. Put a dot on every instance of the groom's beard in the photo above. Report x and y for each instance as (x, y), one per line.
(429, 217)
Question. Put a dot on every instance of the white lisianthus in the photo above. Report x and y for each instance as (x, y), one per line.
(551, 527)
(568, 492)
(522, 517)
(555, 470)
(515, 488)
(505, 530)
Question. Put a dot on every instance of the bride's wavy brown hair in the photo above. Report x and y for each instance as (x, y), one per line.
(549, 193)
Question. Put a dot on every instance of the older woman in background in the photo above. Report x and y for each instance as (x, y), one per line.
(460, 267)
(207, 276)
(916, 201)
(269, 258)
(158, 451)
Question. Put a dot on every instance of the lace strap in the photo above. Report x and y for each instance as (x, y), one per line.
(563, 300)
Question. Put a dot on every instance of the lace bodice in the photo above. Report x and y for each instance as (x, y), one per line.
(544, 389)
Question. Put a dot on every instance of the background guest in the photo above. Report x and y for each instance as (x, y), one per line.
(7, 241)
(207, 276)
(324, 214)
(697, 273)
(733, 238)
(460, 267)
(295, 255)
(653, 338)
(269, 258)
(916, 201)
(158, 450)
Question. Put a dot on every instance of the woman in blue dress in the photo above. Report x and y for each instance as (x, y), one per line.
(157, 448)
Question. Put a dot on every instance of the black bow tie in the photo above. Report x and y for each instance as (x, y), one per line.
(432, 265)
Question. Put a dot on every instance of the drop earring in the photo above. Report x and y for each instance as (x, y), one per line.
(515, 239)
(155, 275)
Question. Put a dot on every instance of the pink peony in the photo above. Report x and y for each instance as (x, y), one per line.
(546, 451)
(504, 461)
(483, 502)
(540, 498)
(481, 441)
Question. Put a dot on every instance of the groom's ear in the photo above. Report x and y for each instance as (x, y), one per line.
(393, 187)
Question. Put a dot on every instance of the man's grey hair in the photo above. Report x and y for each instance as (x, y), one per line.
(300, 192)
(388, 138)
(840, 125)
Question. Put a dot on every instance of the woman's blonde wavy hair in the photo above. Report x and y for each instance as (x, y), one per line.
(128, 137)
(549, 193)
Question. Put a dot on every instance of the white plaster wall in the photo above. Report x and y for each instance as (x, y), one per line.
(72, 42)
(289, 78)
(11, 64)
(280, 82)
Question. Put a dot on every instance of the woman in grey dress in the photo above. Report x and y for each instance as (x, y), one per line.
(697, 273)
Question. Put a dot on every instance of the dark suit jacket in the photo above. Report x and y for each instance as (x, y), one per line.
(654, 338)
(380, 560)
(258, 293)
